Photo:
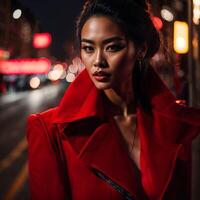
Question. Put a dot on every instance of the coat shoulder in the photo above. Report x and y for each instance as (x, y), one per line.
(184, 113)
(40, 125)
(46, 116)
(43, 162)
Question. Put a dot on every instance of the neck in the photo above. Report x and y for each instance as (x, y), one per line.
(126, 106)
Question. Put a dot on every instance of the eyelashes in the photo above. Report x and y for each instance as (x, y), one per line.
(110, 48)
(87, 49)
(115, 47)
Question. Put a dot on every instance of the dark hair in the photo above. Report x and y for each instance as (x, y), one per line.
(134, 17)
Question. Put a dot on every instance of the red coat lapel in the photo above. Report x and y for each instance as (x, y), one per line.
(106, 153)
(81, 100)
(158, 158)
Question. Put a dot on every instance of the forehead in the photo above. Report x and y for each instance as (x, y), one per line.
(101, 27)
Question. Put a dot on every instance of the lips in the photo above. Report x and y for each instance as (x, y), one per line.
(101, 76)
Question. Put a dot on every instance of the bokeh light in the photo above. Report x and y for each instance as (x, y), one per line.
(167, 15)
(17, 14)
(70, 77)
(34, 82)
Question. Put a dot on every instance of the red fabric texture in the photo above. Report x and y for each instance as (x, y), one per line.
(69, 142)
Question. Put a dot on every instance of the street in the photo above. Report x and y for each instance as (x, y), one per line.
(14, 109)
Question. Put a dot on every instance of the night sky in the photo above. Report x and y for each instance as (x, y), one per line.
(57, 17)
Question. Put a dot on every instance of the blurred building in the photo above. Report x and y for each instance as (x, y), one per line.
(17, 25)
(4, 21)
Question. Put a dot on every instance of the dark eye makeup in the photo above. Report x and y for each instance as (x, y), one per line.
(87, 49)
(110, 48)
(115, 47)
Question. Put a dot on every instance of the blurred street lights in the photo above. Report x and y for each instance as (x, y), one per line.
(196, 11)
(181, 37)
(167, 14)
(157, 22)
(17, 13)
(41, 40)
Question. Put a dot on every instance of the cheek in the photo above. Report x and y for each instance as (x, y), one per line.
(122, 64)
(86, 61)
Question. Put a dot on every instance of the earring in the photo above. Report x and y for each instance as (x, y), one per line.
(141, 63)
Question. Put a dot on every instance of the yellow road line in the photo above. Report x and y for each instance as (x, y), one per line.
(17, 184)
(13, 155)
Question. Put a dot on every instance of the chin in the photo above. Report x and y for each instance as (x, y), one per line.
(102, 86)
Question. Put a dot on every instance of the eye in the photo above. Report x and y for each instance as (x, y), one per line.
(115, 47)
(87, 49)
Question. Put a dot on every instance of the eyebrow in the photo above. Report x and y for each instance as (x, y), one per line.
(108, 40)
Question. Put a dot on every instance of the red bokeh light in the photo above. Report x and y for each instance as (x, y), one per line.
(41, 40)
(25, 66)
(157, 22)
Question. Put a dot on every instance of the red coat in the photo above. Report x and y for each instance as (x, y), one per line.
(76, 152)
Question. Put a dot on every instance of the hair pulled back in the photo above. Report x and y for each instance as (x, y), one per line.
(132, 15)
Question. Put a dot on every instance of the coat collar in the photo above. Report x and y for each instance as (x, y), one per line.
(82, 99)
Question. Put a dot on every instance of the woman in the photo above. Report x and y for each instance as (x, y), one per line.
(118, 132)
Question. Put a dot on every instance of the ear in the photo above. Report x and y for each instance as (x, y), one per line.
(141, 51)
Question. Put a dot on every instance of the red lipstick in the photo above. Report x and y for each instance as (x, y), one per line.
(101, 76)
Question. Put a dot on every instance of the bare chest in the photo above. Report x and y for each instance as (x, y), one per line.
(128, 129)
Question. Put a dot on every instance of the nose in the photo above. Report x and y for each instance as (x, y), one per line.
(100, 60)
